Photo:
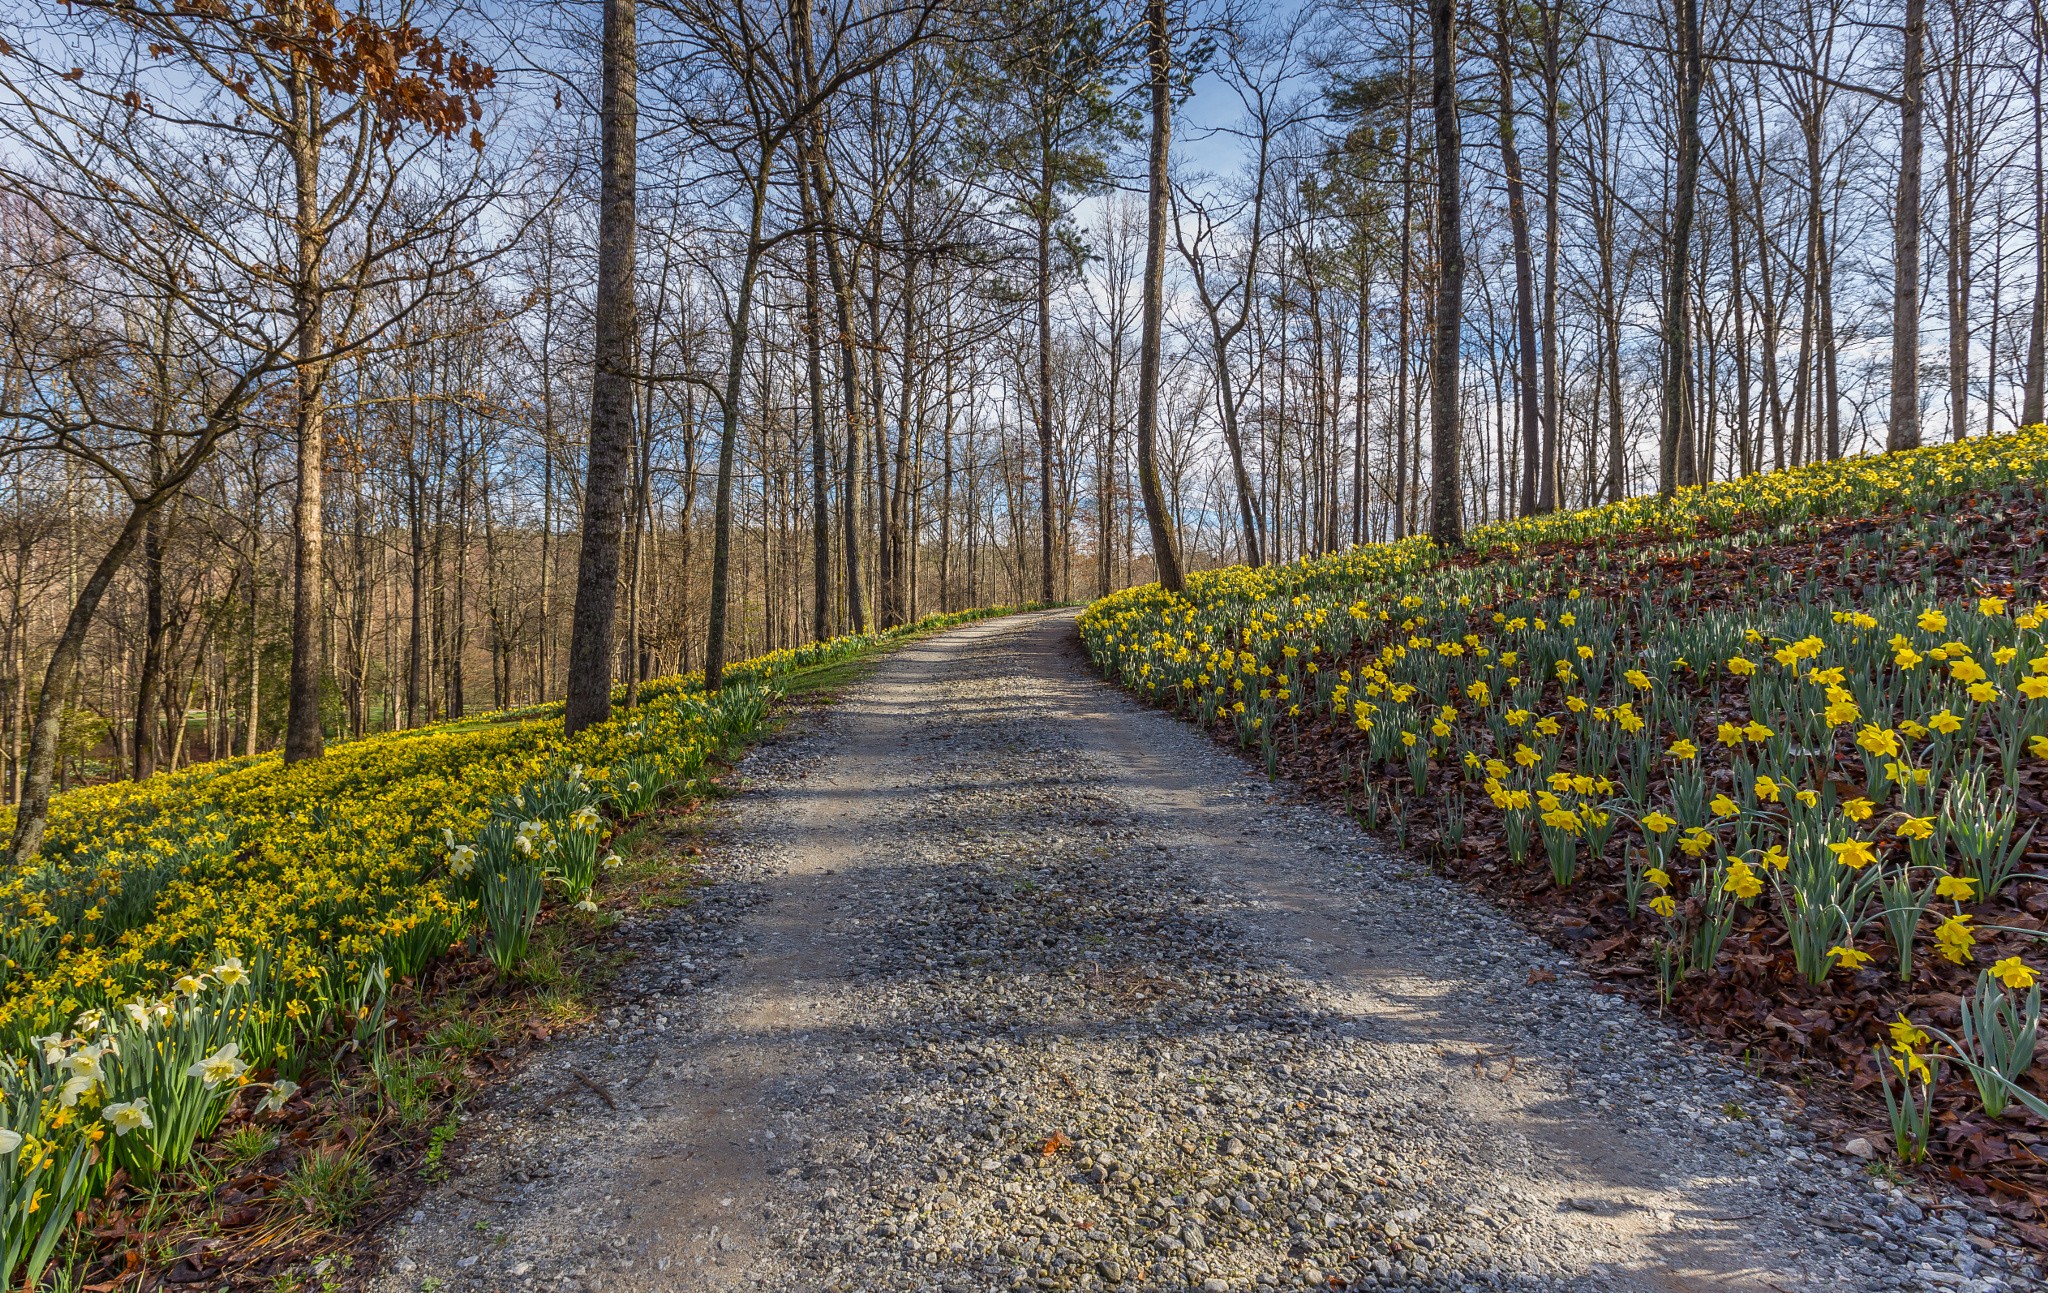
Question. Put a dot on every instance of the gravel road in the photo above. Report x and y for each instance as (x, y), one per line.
(1004, 982)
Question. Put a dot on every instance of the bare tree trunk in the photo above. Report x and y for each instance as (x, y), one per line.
(255, 649)
(1904, 429)
(1675, 463)
(1536, 497)
(2031, 402)
(1404, 342)
(1044, 393)
(1447, 520)
(149, 685)
(849, 374)
(821, 515)
(303, 738)
(611, 392)
(729, 407)
(1549, 497)
(1159, 53)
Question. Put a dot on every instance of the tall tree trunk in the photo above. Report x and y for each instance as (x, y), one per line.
(249, 735)
(1904, 429)
(615, 321)
(1675, 465)
(59, 677)
(1536, 497)
(149, 686)
(1549, 498)
(1044, 394)
(1159, 54)
(1403, 342)
(821, 515)
(2031, 401)
(1447, 520)
(729, 435)
(851, 482)
(303, 738)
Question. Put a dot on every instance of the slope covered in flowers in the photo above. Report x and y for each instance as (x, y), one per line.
(190, 938)
(1772, 752)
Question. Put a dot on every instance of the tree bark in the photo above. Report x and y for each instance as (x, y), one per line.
(303, 738)
(849, 373)
(821, 515)
(149, 686)
(2031, 401)
(729, 433)
(1159, 54)
(1537, 458)
(614, 316)
(1044, 401)
(1548, 497)
(1676, 459)
(1904, 429)
(1447, 520)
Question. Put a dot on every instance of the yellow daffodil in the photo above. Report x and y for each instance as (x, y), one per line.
(2012, 972)
(1879, 740)
(1955, 888)
(1849, 958)
(1742, 881)
(1957, 939)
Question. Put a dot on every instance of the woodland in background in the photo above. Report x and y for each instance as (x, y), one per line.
(890, 263)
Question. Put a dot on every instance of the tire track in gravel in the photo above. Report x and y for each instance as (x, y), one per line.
(1007, 983)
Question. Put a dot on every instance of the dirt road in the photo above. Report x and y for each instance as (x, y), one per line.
(1005, 982)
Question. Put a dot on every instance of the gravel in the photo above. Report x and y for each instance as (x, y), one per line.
(1003, 982)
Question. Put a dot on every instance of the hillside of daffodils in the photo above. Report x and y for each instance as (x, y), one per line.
(1771, 756)
(235, 998)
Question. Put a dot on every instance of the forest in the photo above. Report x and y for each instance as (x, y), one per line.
(1172, 646)
(324, 324)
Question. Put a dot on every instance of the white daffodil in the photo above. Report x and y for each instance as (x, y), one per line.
(611, 860)
(461, 860)
(51, 1046)
(10, 1140)
(76, 1089)
(586, 905)
(230, 972)
(281, 1092)
(221, 1066)
(90, 1022)
(85, 1062)
(128, 1115)
(189, 984)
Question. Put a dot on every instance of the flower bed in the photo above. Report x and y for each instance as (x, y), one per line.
(1772, 753)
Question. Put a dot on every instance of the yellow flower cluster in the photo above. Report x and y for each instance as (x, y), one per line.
(1818, 757)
